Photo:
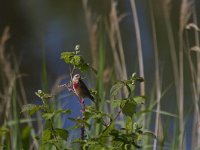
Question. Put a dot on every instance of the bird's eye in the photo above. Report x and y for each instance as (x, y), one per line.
(77, 76)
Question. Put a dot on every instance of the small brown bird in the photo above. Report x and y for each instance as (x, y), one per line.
(80, 89)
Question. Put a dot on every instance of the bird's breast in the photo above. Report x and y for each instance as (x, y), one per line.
(76, 86)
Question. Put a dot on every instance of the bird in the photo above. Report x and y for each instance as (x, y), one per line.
(80, 89)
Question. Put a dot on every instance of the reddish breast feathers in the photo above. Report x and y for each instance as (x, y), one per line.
(75, 86)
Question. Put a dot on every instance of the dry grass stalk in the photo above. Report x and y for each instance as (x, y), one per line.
(178, 60)
(116, 42)
(185, 13)
(115, 19)
(10, 76)
(114, 37)
(139, 45)
(157, 76)
(177, 70)
(195, 73)
(92, 31)
(9, 82)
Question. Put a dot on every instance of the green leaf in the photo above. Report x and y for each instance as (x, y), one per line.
(130, 88)
(43, 107)
(116, 87)
(92, 113)
(129, 124)
(63, 111)
(26, 132)
(48, 116)
(46, 135)
(140, 99)
(116, 103)
(128, 107)
(43, 96)
(77, 60)
(114, 132)
(149, 133)
(118, 145)
(79, 63)
(62, 133)
(93, 144)
(84, 67)
(30, 108)
(79, 141)
(3, 131)
(80, 121)
(67, 56)
(26, 137)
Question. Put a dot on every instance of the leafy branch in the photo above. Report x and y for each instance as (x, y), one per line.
(50, 135)
(128, 136)
(77, 61)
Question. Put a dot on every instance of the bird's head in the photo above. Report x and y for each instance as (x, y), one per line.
(76, 78)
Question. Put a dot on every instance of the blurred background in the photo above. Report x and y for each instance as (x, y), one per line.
(157, 39)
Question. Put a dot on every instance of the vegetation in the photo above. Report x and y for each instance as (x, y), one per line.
(124, 137)
(126, 108)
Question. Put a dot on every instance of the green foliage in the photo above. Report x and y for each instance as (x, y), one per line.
(128, 104)
(128, 136)
(128, 107)
(76, 60)
(32, 108)
(52, 136)
(52, 114)
(26, 137)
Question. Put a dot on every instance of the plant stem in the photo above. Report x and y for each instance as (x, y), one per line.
(82, 111)
(157, 76)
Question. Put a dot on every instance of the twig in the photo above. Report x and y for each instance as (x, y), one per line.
(82, 111)
(68, 85)
(71, 72)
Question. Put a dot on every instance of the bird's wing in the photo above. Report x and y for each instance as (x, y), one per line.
(85, 90)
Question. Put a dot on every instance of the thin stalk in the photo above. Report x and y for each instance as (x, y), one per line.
(197, 114)
(139, 51)
(113, 29)
(82, 125)
(111, 34)
(185, 13)
(195, 88)
(193, 83)
(139, 45)
(92, 31)
(157, 74)
(119, 41)
(181, 91)
(177, 71)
